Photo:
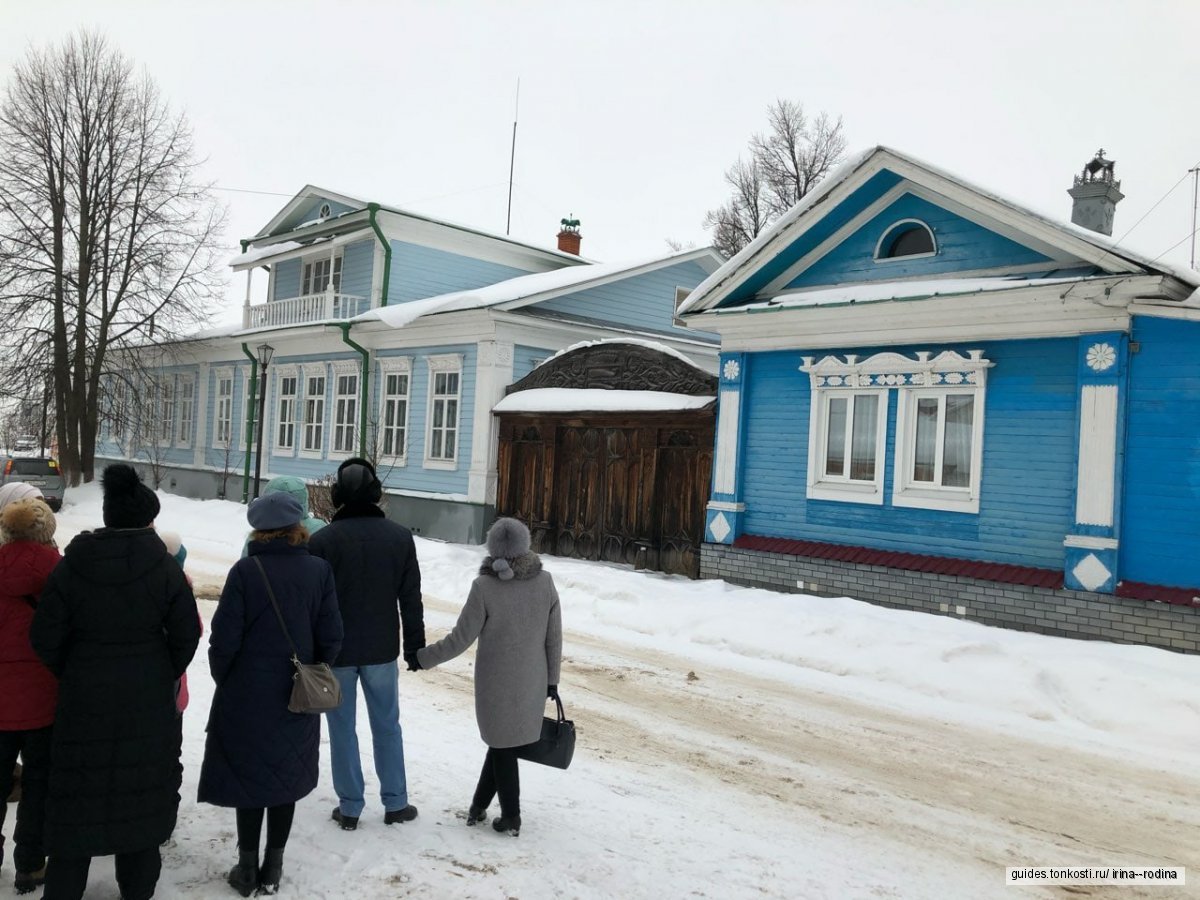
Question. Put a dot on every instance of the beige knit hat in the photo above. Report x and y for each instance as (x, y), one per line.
(29, 519)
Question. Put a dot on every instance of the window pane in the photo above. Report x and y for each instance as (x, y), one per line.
(452, 383)
(862, 442)
(438, 413)
(956, 450)
(451, 413)
(835, 437)
(449, 445)
(925, 445)
(435, 445)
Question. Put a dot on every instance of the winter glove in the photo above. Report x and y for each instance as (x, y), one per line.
(413, 663)
(552, 692)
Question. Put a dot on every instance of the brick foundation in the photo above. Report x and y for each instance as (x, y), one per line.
(1067, 613)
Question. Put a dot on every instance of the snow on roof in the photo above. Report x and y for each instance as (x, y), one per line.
(652, 345)
(256, 253)
(873, 292)
(597, 400)
(523, 287)
(851, 165)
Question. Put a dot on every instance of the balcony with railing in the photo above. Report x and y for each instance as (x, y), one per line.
(305, 309)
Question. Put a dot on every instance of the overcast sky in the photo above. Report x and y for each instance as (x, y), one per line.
(630, 112)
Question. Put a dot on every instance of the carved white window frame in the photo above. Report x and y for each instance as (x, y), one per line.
(394, 365)
(351, 400)
(444, 363)
(278, 448)
(222, 416)
(822, 486)
(927, 375)
(308, 371)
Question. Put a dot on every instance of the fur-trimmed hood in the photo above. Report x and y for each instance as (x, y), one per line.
(29, 519)
(522, 567)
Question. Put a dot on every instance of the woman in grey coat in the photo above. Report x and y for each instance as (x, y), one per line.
(513, 611)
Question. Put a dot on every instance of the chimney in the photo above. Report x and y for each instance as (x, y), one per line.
(1096, 194)
(569, 237)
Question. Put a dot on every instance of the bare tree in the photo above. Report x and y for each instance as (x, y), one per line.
(785, 163)
(107, 237)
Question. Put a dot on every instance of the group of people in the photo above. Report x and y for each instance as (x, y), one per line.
(94, 647)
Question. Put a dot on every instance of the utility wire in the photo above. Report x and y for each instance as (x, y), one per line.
(1156, 205)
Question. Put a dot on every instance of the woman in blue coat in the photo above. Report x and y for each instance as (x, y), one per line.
(259, 758)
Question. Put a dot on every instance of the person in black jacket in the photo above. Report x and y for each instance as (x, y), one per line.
(117, 623)
(379, 590)
(260, 758)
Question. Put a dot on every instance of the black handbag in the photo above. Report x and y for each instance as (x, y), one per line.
(556, 746)
(315, 689)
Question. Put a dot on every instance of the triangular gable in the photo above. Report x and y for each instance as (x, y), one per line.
(858, 192)
(306, 206)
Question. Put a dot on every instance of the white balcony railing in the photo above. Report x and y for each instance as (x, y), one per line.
(304, 309)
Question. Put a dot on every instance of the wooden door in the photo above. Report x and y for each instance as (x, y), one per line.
(680, 492)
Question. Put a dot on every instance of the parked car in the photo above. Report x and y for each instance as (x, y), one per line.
(24, 445)
(41, 472)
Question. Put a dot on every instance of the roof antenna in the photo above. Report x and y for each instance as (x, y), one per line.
(512, 160)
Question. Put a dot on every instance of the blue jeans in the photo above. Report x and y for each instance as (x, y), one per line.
(380, 690)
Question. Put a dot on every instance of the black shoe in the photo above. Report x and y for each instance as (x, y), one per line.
(347, 823)
(243, 877)
(407, 814)
(27, 882)
(510, 825)
(271, 872)
(476, 814)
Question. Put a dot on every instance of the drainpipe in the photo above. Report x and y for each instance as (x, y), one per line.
(372, 211)
(363, 391)
(251, 406)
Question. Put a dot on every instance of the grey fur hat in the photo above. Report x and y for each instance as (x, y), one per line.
(507, 540)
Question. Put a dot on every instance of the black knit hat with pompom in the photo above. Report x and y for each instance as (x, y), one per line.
(127, 502)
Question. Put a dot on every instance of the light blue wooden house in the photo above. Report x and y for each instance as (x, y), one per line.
(393, 336)
(936, 399)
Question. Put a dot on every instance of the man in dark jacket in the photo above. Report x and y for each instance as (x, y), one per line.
(379, 591)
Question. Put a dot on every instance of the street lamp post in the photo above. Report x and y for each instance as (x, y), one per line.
(265, 352)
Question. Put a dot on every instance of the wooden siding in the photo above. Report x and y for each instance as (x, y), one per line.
(1160, 529)
(358, 264)
(287, 279)
(1029, 451)
(962, 245)
(419, 272)
(644, 302)
(524, 359)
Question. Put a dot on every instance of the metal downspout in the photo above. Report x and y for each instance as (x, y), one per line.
(364, 391)
(251, 406)
(373, 210)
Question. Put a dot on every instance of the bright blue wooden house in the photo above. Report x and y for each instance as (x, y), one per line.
(936, 399)
(393, 336)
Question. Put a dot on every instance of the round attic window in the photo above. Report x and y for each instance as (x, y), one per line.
(326, 211)
(906, 239)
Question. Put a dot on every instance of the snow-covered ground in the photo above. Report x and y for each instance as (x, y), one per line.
(740, 743)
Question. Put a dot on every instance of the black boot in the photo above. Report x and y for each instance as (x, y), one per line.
(507, 825)
(476, 814)
(243, 877)
(271, 872)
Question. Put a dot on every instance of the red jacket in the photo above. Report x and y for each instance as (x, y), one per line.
(28, 691)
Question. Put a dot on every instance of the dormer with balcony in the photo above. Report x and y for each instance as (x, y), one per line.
(329, 257)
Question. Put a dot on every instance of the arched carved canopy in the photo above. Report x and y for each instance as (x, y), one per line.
(619, 367)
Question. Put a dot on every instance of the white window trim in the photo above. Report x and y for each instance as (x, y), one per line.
(306, 372)
(341, 368)
(883, 260)
(277, 397)
(906, 493)
(218, 375)
(396, 365)
(337, 266)
(182, 441)
(825, 487)
(163, 387)
(448, 362)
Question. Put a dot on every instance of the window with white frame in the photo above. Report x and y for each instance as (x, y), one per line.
(165, 408)
(939, 436)
(187, 410)
(317, 275)
(313, 438)
(345, 411)
(223, 432)
(393, 418)
(285, 413)
(445, 383)
(937, 456)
